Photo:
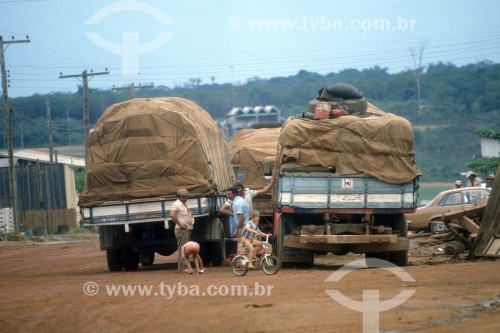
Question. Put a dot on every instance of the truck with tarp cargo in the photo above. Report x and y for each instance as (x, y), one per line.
(344, 182)
(139, 154)
(249, 149)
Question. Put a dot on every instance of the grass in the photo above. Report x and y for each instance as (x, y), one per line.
(428, 193)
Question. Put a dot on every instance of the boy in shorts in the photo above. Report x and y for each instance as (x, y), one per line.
(248, 234)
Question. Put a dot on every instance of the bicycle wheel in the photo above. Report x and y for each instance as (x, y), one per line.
(271, 265)
(3, 233)
(239, 265)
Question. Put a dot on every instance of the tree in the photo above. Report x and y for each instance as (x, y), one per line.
(487, 165)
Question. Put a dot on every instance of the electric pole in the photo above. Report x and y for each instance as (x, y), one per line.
(131, 88)
(86, 110)
(49, 130)
(418, 71)
(8, 130)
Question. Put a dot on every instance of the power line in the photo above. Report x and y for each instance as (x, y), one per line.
(86, 110)
(8, 130)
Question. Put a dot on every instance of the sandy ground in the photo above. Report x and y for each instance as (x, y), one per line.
(64, 286)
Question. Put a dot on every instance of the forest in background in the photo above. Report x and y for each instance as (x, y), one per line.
(455, 102)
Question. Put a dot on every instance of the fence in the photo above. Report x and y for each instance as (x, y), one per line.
(49, 221)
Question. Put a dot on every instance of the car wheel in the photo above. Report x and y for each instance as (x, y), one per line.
(437, 228)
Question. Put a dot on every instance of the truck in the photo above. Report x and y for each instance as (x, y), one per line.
(249, 149)
(344, 182)
(140, 153)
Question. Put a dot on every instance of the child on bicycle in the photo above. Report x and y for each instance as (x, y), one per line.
(248, 234)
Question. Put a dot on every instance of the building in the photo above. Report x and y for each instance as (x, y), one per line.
(244, 117)
(45, 191)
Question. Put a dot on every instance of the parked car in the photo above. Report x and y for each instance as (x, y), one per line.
(444, 202)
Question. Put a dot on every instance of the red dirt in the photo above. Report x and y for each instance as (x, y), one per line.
(42, 290)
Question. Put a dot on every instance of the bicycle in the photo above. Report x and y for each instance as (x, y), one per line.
(270, 263)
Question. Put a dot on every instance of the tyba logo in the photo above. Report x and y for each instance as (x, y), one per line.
(370, 306)
(130, 48)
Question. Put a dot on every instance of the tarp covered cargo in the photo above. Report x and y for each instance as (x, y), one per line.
(378, 144)
(146, 148)
(248, 149)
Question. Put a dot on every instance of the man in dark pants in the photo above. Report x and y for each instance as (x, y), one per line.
(184, 223)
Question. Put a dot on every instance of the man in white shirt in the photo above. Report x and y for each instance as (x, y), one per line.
(249, 194)
(184, 223)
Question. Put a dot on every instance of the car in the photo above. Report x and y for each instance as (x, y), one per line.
(424, 217)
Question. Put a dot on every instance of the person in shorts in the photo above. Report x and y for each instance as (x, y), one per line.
(248, 234)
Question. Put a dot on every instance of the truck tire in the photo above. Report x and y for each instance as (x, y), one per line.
(114, 260)
(130, 259)
(280, 251)
(399, 258)
(147, 258)
(400, 225)
(215, 253)
(355, 106)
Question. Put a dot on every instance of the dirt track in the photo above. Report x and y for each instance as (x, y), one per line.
(42, 290)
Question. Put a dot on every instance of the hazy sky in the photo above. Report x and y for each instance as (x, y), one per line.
(170, 42)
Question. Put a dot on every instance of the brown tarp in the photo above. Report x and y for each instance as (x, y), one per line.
(377, 144)
(248, 149)
(146, 148)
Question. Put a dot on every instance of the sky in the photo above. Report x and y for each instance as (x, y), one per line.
(170, 43)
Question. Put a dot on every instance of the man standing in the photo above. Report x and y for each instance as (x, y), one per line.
(240, 210)
(184, 223)
(472, 181)
(249, 194)
(227, 209)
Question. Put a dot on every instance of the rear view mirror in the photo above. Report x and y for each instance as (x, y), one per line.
(267, 166)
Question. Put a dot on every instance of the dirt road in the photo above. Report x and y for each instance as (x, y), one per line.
(66, 287)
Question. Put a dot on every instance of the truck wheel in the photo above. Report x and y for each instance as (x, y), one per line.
(217, 252)
(130, 259)
(305, 258)
(114, 260)
(217, 248)
(279, 249)
(399, 258)
(147, 258)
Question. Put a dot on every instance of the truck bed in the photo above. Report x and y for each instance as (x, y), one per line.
(322, 190)
(143, 210)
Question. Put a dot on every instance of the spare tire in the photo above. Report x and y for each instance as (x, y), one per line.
(355, 106)
(311, 105)
(340, 90)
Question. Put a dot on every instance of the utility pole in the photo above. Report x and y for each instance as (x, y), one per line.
(131, 88)
(418, 71)
(86, 110)
(8, 130)
(49, 130)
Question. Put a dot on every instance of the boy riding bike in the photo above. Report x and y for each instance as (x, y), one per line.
(248, 234)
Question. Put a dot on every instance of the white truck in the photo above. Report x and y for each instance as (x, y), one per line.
(139, 154)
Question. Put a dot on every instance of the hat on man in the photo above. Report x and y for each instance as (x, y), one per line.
(470, 173)
(458, 182)
(182, 192)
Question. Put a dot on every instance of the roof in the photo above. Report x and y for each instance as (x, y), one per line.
(44, 157)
